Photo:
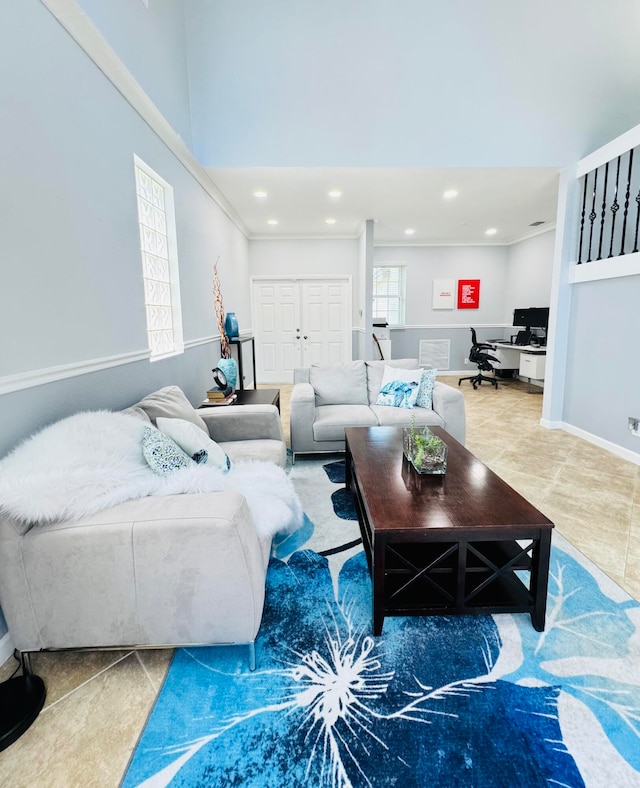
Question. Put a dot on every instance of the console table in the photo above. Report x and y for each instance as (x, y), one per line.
(250, 397)
(239, 341)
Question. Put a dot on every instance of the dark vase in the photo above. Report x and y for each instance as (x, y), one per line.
(231, 325)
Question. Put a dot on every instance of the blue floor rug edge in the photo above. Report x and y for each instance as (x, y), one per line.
(435, 701)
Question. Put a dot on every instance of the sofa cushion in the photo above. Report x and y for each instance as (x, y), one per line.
(401, 417)
(339, 384)
(172, 403)
(375, 371)
(425, 391)
(194, 442)
(399, 388)
(330, 420)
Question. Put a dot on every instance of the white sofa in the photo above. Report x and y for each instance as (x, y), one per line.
(327, 398)
(181, 569)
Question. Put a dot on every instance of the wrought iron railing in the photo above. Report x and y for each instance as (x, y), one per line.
(608, 189)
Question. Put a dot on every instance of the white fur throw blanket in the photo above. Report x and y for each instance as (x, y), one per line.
(93, 460)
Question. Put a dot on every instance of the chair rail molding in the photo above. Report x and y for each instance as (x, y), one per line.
(38, 377)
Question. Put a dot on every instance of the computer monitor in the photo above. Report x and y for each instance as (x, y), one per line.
(520, 317)
(533, 317)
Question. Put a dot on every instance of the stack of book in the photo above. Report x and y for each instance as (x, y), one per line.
(218, 396)
(216, 393)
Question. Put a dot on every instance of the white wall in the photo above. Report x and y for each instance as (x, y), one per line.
(309, 256)
(426, 263)
(306, 258)
(70, 265)
(379, 83)
(530, 265)
(72, 285)
(151, 43)
(603, 374)
(503, 272)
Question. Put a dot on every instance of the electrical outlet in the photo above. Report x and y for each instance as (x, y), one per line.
(634, 426)
(466, 361)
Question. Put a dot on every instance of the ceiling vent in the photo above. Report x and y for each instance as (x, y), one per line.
(536, 224)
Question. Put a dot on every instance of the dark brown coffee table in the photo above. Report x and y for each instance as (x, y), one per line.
(456, 544)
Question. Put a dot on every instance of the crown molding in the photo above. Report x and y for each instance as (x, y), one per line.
(76, 22)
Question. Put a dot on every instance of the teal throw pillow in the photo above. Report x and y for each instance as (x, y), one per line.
(163, 455)
(425, 390)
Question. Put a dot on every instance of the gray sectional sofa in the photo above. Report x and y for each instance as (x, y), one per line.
(159, 570)
(327, 398)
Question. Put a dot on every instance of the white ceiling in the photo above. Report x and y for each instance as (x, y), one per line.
(507, 199)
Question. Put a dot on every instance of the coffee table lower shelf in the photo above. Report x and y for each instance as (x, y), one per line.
(450, 577)
(458, 578)
(454, 571)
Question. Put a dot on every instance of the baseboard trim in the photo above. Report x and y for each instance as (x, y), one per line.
(6, 648)
(619, 451)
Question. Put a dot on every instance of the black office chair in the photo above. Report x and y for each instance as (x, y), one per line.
(477, 355)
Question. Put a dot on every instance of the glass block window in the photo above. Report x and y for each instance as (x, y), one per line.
(159, 262)
(389, 294)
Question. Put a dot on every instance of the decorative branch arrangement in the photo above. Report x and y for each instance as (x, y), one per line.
(225, 351)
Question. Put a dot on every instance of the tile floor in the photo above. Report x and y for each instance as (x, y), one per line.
(97, 702)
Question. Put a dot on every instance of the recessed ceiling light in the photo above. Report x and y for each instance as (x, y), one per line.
(335, 193)
(409, 231)
(272, 221)
(260, 195)
(490, 231)
(330, 220)
(450, 194)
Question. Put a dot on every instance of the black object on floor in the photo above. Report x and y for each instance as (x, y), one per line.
(21, 699)
(335, 471)
(343, 504)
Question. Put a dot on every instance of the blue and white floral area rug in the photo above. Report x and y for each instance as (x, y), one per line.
(435, 701)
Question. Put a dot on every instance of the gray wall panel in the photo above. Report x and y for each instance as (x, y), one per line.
(603, 374)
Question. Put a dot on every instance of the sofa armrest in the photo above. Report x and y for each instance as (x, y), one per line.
(143, 572)
(243, 422)
(303, 409)
(449, 404)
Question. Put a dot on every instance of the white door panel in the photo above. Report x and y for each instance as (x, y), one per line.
(298, 323)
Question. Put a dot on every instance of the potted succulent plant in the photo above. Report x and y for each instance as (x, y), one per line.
(425, 451)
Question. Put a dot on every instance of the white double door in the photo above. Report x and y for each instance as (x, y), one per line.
(299, 322)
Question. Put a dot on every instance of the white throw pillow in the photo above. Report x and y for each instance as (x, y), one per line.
(399, 387)
(194, 442)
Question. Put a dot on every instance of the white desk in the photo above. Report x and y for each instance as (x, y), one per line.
(529, 360)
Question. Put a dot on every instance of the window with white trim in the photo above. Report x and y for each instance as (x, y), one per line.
(389, 293)
(156, 217)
